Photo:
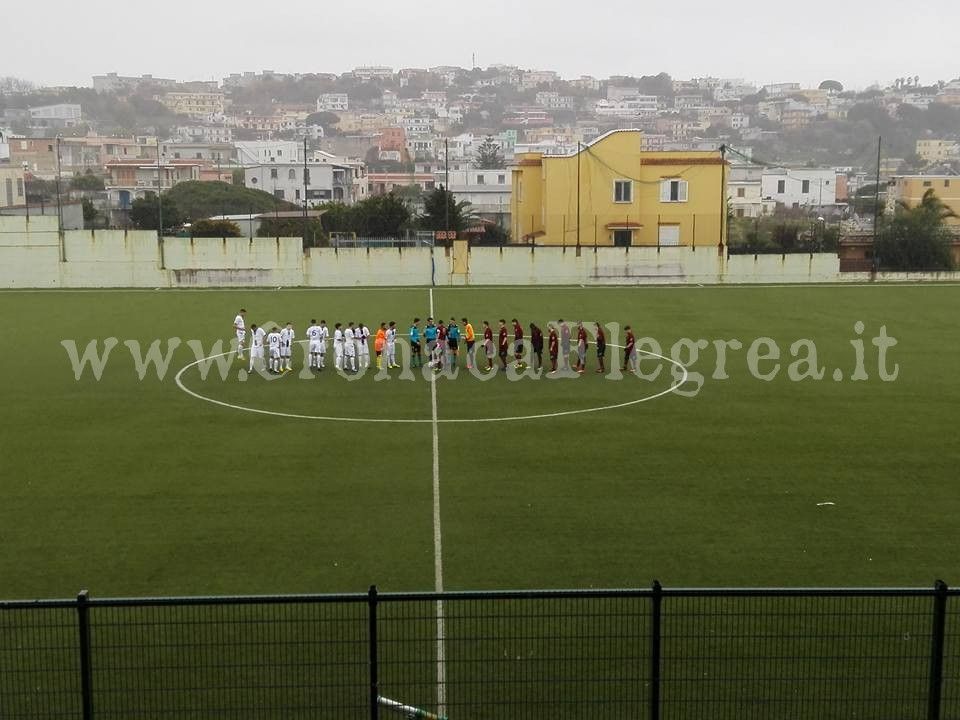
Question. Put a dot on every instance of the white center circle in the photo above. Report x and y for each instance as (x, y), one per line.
(332, 418)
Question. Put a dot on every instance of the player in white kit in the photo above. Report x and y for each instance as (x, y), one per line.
(273, 341)
(350, 348)
(324, 335)
(391, 345)
(314, 337)
(337, 347)
(257, 335)
(241, 330)
(363, 345)
(286, 347)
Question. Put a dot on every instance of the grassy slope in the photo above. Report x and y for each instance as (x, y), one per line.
(135, 488)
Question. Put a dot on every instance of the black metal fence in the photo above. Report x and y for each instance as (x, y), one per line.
(651, 653)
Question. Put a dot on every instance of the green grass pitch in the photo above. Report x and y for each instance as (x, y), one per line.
(136, 488)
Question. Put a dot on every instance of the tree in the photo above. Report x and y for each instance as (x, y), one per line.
(90, 213)
(381, 216)
(917, 238)
(831, 86)
(441, 211)
(488, 155)
(144, 212)
(87, 181)
(215, 229)
(327, 120)
(293, 227)
(202, 199)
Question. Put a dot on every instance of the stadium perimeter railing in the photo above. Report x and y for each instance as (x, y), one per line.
(650, 653)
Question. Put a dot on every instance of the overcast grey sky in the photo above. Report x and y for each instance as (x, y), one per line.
(64, 42)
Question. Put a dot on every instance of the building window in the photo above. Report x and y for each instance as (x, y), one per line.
(278, 194)
(781, 186)
(623, 191)
(279, 153)
(927, 183)
(668, 235)
(253, 181)
(480, 180)
(805, 187)
(946, 183)
(741, 192)
(502, 180)
(673, 190)
(19, 187)
(291, 174)
(623, 238)
(273, 173)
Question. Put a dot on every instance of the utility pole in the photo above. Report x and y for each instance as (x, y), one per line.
(159, 198)
(446, 187)
(876, 205)
(59, 206)
(578, 194)
(306, 180)
(723, 191)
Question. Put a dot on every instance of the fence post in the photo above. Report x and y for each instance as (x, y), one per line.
(936, 650)
(86, 676)
(656, 601)
(372, 641)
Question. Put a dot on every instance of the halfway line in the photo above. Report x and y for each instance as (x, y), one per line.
(438, 548)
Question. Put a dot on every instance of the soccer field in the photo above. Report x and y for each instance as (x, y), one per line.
(137, 487)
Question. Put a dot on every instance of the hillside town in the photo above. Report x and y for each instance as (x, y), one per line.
(309, 140)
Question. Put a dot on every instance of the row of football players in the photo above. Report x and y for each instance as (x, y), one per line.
(441, 342)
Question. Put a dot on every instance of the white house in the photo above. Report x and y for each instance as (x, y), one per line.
(745, 192)
(325, 181)
(253, 152)
(333, 102)
(487, 190)
(60, 115)
(636, 106)
(803, 187)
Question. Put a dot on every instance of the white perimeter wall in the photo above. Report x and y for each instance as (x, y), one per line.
(32, 256)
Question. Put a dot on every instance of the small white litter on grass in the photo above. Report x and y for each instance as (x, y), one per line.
(825, 503)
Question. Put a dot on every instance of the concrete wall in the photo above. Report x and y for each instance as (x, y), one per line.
(34, 255)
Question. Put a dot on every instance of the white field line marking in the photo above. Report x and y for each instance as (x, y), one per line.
(542, 416)
(438, 548)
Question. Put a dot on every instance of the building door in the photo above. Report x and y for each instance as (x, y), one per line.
(9, 184)
(622, 238)
(669, 235)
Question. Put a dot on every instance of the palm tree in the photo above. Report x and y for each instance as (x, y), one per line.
(932, 206)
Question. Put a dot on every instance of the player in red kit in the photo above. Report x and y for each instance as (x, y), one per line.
(630, 351)
(536, 342)
(581, 348)
(517, 343)
(553, 347)
(601, 348)
(488, 344)
(503, 345)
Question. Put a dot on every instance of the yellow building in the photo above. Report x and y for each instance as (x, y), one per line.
(932, 151)
(194, 104)
(627, 196)
(909, 189)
